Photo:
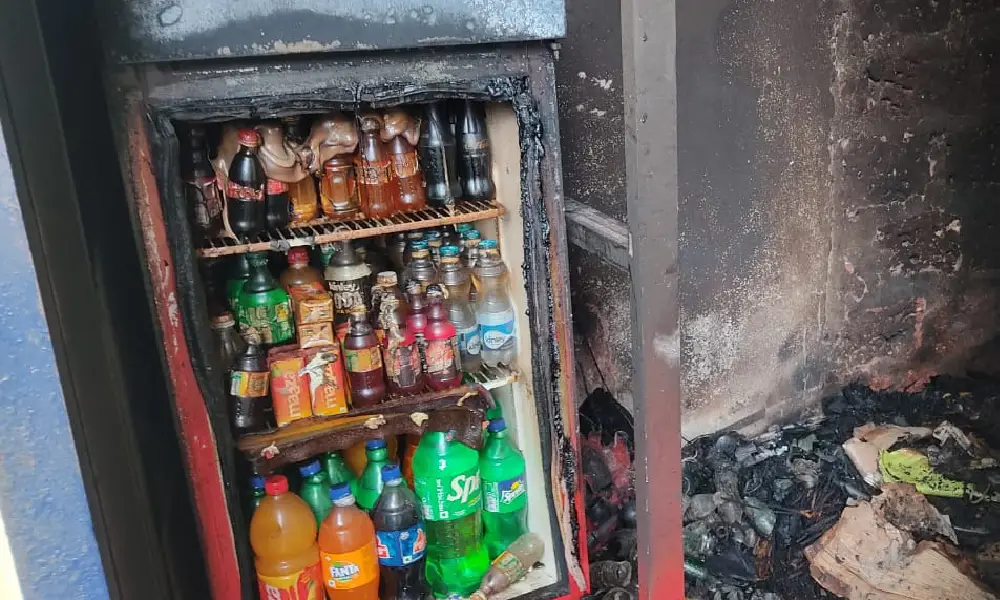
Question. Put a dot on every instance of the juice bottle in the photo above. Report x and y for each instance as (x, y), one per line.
(300, 278)
(370, 483)
(400, 353)
(444, 363)
(400, 132)
(347, 548)
(283, 538)
(364, 361)
(378, 186)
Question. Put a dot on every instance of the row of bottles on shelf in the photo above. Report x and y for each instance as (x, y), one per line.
(321, 342)
(370, 165)
(364, 535)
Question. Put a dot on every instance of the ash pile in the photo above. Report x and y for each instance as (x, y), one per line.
(885, 496)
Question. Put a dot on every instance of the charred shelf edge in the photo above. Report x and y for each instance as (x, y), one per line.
(320, 232)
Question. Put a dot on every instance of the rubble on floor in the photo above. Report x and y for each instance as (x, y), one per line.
(885, 496)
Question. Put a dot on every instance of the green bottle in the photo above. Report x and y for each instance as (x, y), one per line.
(315, 489)
(337, 471)
(257, 492)
(370, 485)
(239, 273)
(446, 478)
(505, 497)
(265, 312)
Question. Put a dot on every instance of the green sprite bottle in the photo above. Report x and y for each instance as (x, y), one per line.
(505, 497)
(337, 471)
(257, 492)
(370, 484)
(446, 478)
(239, 273)
(265, 312)
(315, 489)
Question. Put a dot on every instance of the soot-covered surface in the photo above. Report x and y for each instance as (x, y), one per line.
(752, 506)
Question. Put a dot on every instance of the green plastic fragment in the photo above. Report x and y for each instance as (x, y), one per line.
(909, 466)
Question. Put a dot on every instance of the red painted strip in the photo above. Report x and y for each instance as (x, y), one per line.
(200, 452)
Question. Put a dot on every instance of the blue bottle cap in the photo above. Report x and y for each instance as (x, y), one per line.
(472, 234)
(418, 245)
(487, 244)
(391, 473)
(463, 227)
(374, 444)
(257, 482)
(433, 234)
(496, 425)
(340, 491)
(449, 251)
(310, 468)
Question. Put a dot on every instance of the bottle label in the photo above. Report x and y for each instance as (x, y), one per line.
(346, 295)
(237, 191)
(248, 384)
(402, 364)
(275, 187)
(496, 328)
(511, 565)
(475, 143)
(301, 585)
(363, 360)
(469, 340)
(267, 323)
(401, 548)
(405, 165)
(448, 499)
(378, 173)
(351, 569)
(505, 496)
(442, 356)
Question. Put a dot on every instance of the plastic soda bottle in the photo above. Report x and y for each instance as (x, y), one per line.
(461, 314)
(446, 477)
(406, 464)
(257, 492)
(495, 312)
(315, 489)
(401, 540)
(347, 549)
(337, 470)
(370, 484)
(505, 506)
(511, 566)
(283, 538)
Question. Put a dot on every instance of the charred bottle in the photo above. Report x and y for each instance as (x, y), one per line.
(204, 202)
(444, 363)
(397, 127)
(438, 157)
(474, 153)
(301, 194)
(277, 205)
(245, 206)
(339, 188)
(378, 186)
(346, 276)
(249, 385)
(363, 360)
(400, 351)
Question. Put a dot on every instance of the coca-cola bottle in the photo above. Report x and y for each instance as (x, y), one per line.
(245, 189)
(277, 205)
(474, 166)
(204, 202)
(438, 157)
(378, 187)
(444, 364)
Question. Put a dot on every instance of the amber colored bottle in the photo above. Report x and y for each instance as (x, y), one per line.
(400, 352)
(378, 186)
(283, 538)
(444, 364)
(364, 361)
(407, 169)
(338, 188)
(304, 205)
(300, 278)
(406, 465)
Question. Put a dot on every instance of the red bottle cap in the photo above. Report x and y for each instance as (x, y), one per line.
(298, 256)
(276, 484)
(248, 137)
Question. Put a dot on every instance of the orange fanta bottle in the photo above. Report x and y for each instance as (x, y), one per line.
(283, 537)
(347, 548)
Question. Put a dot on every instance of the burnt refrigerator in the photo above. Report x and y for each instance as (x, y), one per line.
(176, 65)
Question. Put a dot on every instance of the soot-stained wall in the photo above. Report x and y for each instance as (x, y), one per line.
(838, 166)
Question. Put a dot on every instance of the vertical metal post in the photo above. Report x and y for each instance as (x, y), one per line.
(649, 43)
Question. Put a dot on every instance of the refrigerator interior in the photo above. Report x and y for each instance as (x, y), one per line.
(512, 390)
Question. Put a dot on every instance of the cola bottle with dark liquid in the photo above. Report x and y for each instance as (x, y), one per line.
(245, 205)
(278, 202)
(438, 157)
(474, 153)
(204, 201)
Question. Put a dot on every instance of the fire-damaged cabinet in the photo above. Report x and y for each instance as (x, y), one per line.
(252, 69)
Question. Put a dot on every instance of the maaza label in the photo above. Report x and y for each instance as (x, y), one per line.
(236, 191)
(442, 356)
(401, 548)
(505, 496)
(350, 569)
(402, 364)
(469, 340)
(405, 165)
(301, 585)
(363, 360)
(249, 384)
(447, 499)
(496, 329)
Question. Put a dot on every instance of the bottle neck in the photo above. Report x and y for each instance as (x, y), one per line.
(377, 455)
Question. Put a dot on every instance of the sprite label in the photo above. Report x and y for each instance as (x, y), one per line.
(448, 499)
(505, 496)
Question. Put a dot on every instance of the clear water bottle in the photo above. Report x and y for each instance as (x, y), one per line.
(494, 310)
(511, 566)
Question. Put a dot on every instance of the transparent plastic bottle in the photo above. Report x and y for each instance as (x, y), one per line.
(511, 566)
(495, 312)
(420, 268)
(461, 314)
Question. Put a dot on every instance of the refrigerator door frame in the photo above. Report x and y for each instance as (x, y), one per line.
(149, 97)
